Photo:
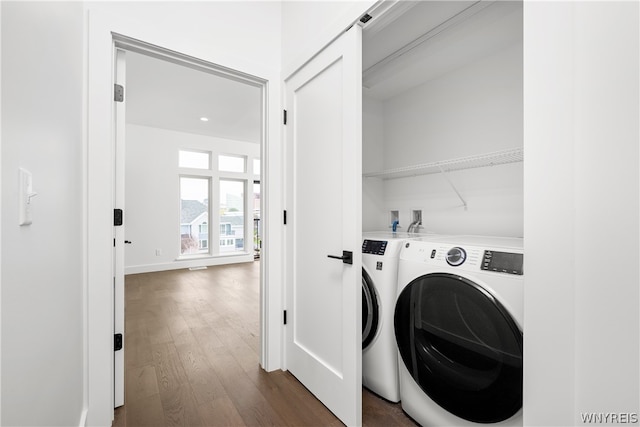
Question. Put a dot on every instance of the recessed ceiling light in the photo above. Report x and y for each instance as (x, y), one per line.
(204, 119)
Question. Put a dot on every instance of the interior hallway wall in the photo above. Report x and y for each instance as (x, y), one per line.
(308, 26)
(0, 214)
(42, 264)
(582, 194)
(152, 205)
(245, 35)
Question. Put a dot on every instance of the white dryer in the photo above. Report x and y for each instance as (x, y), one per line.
(380, 252)
(458, 327)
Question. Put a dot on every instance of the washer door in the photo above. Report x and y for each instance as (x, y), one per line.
(461, 347)
(370, 310)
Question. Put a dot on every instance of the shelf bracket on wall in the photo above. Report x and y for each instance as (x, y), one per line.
(444, 174)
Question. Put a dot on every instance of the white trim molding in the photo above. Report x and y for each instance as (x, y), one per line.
(99, 194)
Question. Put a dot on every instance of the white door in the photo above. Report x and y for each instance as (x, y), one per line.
(119, 235)
(324, 133)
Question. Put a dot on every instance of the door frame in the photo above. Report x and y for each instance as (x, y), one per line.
(119, 232)
(99, 179)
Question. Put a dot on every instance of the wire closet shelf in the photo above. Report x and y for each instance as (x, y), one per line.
(495, 158)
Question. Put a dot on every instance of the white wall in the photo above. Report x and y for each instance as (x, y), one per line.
(308, 26)
(245, 34)
(42, 264)
(0, 215)
(608, 135)
(374, 215)
(473, 110)
(582, 330)
(152, 214)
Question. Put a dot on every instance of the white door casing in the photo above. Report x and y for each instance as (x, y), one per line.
(99, 170)
(324, 188)
(119, 231)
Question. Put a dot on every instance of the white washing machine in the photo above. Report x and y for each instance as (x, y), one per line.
(458, 327)
(380, 251)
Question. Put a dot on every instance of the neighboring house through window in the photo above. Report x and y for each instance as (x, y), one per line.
(194, 216)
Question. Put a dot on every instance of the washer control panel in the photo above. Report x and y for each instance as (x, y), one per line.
(375, 247)
(467, 257)
(503, 262)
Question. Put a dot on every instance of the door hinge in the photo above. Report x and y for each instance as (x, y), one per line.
(117, 217)
(284, 217)
(284, 116)
(117, 342)
(118, 93)
(285, 317)
(365, 18)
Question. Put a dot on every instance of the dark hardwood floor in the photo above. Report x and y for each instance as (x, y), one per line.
(191, 357)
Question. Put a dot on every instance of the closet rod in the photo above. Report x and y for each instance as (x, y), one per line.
(511, 155)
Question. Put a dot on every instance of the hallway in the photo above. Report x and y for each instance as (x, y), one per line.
(192, 348)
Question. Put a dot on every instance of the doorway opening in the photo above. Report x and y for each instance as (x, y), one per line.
(189, 142)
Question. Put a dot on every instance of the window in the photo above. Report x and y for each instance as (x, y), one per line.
(232, 163)
(217, 186)
(225, 229)
(194, 215)
(204, 235)
(194, 159)
(204, 228)
(226, 242)
(232, 203)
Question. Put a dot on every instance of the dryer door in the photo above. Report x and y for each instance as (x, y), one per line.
(461, 347)
(370, 310)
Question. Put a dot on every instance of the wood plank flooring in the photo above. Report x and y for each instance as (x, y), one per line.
(191, 358)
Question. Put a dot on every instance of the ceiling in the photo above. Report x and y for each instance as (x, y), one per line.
(450, 34)
(165, 95)
(427, 39)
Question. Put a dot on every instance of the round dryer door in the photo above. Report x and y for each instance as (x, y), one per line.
(370, 310)
(461, 346)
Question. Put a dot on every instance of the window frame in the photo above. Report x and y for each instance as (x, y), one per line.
(243, 157)
(232, 237)
(216, 176)
(209, 191)
(209, 153)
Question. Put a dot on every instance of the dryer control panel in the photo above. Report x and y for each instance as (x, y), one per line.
(375, 247)
(448, 255)
(503, 262)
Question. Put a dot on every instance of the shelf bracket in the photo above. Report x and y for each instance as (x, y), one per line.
(444, 174)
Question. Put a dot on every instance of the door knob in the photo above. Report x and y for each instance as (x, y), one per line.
(127, 242)
(347, 257)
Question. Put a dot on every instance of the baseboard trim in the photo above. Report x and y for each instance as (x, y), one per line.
(83, 417)
(197, 262)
